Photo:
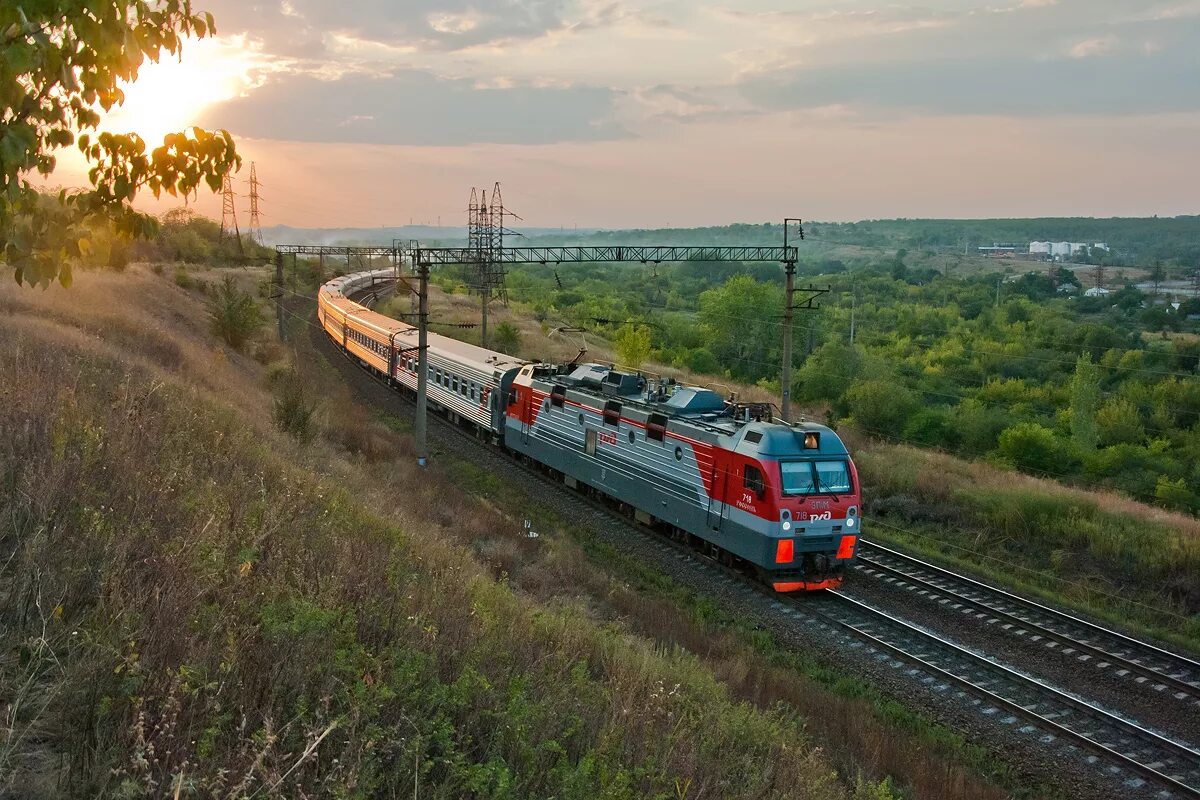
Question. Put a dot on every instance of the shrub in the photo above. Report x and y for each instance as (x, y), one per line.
(930, 427)
(1176, 494)
(880, 406)
(292, 411)
(235, 315)
(1120, 423)
(506, 338)
(1034, 447)
(632, 344)
(978, 426)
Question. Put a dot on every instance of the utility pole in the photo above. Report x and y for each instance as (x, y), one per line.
(853, 308)
(419, 428)
(789, 269)
(279, 292)
(789, 309)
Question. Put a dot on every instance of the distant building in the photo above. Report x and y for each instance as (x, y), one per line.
(1000, 250)
(1096, 291)
(1068, 288)
(1060, 251)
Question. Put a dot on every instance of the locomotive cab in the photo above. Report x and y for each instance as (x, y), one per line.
(803, 479)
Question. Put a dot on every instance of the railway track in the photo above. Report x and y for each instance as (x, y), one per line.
(1138, 750)
(1177, 676)
(1141, 753)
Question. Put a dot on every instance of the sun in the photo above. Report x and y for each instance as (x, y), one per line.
(170, 95)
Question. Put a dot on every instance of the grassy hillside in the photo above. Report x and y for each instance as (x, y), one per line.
(196, 605)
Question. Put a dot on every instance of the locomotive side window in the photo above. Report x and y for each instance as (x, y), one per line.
(753, 480)
(612, 413)
(558, 396)
(656, 427)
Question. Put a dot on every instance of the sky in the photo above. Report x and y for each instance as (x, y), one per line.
(661, 113)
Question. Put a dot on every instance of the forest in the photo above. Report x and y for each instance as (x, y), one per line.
(1100, 392)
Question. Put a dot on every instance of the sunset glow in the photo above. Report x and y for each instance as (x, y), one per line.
(171, 95)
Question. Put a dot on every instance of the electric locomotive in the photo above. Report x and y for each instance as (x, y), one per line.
(751, 490)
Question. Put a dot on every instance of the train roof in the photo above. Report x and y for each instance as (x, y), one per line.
(482, 359)
(750, 428)
(472, 355)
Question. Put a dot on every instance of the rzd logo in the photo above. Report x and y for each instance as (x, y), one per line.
(820, 517)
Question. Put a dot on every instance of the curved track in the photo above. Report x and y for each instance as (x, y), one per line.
(1176, 675)
(1172, 766)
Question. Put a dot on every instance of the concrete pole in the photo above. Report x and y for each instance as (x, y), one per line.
(279, 292)
(485, 293)
(788, 314)
(853, 308)
(419, 428)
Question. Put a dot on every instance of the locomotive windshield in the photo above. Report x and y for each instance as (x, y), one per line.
(815, 477)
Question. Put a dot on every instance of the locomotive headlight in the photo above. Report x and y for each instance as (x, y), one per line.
(849, 522)
(787, 526)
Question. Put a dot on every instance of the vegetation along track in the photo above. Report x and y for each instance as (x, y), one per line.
(1176, 675)
(1136, 755)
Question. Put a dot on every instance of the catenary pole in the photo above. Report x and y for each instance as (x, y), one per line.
(420, 426)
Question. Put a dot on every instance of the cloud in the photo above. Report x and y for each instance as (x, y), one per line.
(1094, 46)
(1129, 83)
(301, 28)
(417, 108)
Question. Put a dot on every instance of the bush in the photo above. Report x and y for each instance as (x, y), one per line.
(292, 412)
(1120, 423)
(1035, 448)
(703, 361)
(930, 427)
(234, 313)
(506, 338)
(978, 426)
(632, 344)
(1176, 495)
(880, 406)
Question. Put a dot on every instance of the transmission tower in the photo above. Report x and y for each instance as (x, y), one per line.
(229, 213)
(485, 243)
(255, 198)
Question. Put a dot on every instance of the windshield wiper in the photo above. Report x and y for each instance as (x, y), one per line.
(823, 485)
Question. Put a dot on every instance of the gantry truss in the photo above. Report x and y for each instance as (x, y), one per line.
(645, 254)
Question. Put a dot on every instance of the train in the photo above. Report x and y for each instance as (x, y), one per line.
(781, 501)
